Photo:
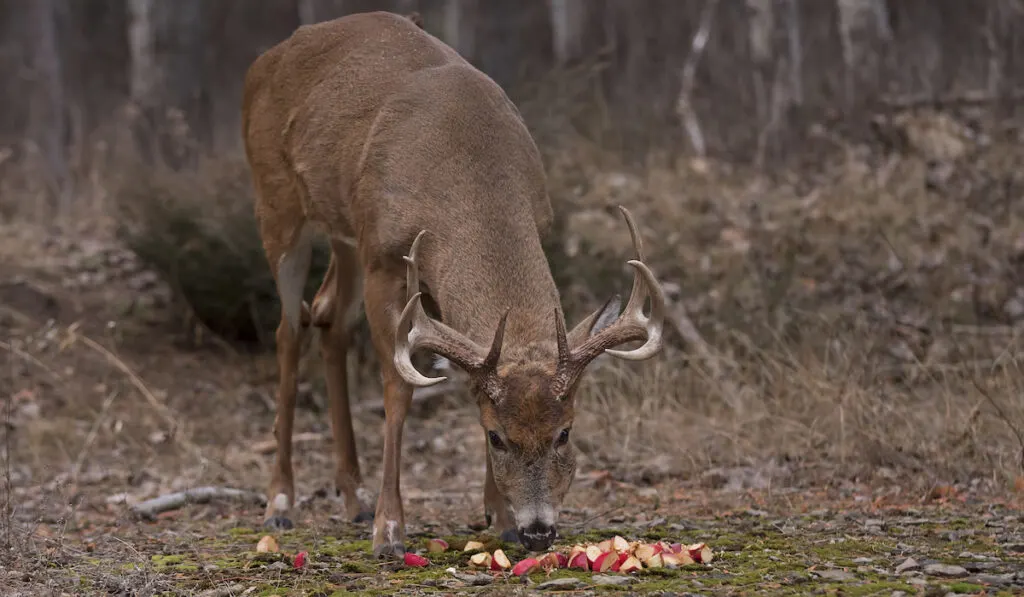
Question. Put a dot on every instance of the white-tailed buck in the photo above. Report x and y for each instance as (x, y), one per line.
(426, 182)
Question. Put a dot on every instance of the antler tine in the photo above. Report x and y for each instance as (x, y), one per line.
(415, 330)
(631, 325)
(412, 274)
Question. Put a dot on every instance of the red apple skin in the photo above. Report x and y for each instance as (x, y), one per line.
(437, 546)
(418, 561)
(580, 561)
(630, 565)
(525, 566)
(659, 547)
(604, 561)
(619, 561)
(563, 560)
(500, 561)
(677, 548)
(593, 552)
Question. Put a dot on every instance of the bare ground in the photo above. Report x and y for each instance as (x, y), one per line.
(860, 407)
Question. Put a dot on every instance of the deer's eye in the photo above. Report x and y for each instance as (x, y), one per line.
(495, 440)
(563, 437)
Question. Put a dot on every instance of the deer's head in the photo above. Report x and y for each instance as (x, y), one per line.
(527, 400)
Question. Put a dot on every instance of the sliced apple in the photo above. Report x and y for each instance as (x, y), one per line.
(606, 545)
(630, 565)
(473, 546)
(418, 561)
(675, 560)
(500, 561)
(677, 548)
(619, 560)
(604, 562)
(525, 566)
(593, 552)
(576, 549)
(580, 561)
(437, 545)
(267, 544)
(620, 545)
(655, 561)
(645, 551)
(700, 552)
(481, 560)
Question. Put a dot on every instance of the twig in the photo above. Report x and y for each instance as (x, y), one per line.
(198, 495)
(684, 107)
(29, 358)
(140, 385)
(270, 446)
(91, 436)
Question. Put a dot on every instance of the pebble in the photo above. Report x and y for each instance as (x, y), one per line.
(604, 579)
(908, 564)
(560, 583)
(947, 570)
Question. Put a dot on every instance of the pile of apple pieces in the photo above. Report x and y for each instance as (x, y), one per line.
(611, 555)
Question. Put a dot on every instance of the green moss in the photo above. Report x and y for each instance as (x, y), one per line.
(965, 587)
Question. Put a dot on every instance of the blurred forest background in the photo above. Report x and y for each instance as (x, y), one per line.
(831, 191)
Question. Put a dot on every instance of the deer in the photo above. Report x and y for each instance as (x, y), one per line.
(422, 176)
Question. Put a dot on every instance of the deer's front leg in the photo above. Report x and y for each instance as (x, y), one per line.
(389, 518)
(496, 509)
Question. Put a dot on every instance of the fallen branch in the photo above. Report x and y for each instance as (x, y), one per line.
(198, 495)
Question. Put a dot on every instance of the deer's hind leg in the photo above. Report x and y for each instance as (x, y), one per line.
(288, 244)
(334, 310)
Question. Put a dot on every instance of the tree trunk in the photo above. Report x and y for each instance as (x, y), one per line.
(47, 108)
(568, 25)
(863, 25)
(168, 63)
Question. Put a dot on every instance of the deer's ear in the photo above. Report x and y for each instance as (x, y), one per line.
(596, 321)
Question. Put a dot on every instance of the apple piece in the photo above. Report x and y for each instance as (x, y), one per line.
(593, 552)
(473, 546)
(548, 561)
(630, 565)
(675, 560)
(300, 560)
(576, 549)
(562, 559)
(665, 546)
(418, 561)
(619, 560)
(525, 566)
(677, 548)
(604, 562)
(482, 559)
(267, 544)
(437, 545)
(580, 561)
(620, 545)
(655, 561)
(658, 547)
(645, 552)
(700, 552)
(606, 545)
(500, 561)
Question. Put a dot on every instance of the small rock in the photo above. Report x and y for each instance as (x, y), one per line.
(836, 575)
(908, 564)
(863, 560)
(473, 580)
(604, 579)
(917, 582)
(560, 583)
(946, 570)
(996, 580)
(279, 565)
(899, 594)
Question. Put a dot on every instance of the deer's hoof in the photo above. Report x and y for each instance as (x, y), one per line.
(509, 536)
(363, 516)
(278, 523)
(389, 550)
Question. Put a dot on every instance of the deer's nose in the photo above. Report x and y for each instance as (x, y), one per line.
(538, 536)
